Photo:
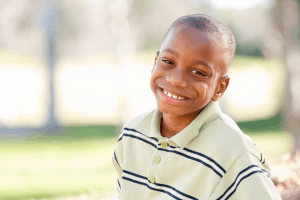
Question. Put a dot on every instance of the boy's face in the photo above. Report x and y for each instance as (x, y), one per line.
(187, 73)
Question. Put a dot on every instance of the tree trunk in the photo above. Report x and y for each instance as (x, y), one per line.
(52, 31)
(287, 22)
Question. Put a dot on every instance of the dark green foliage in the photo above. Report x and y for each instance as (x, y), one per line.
(263, 126)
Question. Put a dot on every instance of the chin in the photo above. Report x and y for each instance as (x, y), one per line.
(172, 111)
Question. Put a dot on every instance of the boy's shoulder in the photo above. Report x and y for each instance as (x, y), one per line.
(247, 142)
(227, 139)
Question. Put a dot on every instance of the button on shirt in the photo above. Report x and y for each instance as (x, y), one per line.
(157, 159)
(210, 159)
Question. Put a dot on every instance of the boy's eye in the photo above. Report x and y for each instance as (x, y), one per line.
(168, 62)
(197, 72)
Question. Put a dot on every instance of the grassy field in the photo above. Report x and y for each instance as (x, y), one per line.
(77, 160)
(74, 162)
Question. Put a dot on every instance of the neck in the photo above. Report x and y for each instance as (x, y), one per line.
(171, 125)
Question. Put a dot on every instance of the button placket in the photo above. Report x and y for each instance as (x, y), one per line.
(156, 160)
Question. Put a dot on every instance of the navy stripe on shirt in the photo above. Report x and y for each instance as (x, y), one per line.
(192, 158)
(133, 136)
(179, 153)
(183, 194)
(244, 176)
(260, 157)
(133, 130)
(141, 183)
(116, 158)
(158, 184)
(254, 172)
(208, 158)
(134, 174)
(119, 183)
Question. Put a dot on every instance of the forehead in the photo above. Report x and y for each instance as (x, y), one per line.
(188, 35)
(189, 43)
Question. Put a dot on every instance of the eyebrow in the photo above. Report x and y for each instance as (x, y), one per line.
(205, 64)
(171, 51)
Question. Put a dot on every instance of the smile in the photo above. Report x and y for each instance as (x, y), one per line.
(173, 96)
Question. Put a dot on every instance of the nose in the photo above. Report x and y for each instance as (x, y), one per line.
(177, 78)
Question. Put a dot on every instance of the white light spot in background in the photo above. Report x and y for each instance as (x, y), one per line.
(8, 114)
(240, 5)
(250, 94)
(21, 90)
(87, 94)
(249, 88)
(95, 1)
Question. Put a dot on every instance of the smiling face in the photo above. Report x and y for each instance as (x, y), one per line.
(187, 73)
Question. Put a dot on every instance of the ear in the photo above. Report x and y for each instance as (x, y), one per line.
(156, 57)
(221, 88)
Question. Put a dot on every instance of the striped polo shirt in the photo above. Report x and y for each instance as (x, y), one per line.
(210, 159)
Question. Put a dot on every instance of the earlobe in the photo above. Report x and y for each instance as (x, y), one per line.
(221, 88)
(217, 96)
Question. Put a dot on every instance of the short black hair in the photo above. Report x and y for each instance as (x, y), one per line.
(219, 33)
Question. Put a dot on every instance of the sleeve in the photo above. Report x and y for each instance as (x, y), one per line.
(246, 179)
(117, 163)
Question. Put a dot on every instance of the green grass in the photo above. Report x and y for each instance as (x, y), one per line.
(269, 135)
(45, 166)
(272, 143)
(76, 160)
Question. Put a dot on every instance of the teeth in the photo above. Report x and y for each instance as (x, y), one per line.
(173, 95)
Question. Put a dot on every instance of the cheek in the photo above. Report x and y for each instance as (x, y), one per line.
(202, 92)
(154, 76)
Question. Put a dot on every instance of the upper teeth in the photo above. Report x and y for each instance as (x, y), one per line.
(173, 95)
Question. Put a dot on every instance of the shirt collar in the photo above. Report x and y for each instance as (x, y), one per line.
(208, 114)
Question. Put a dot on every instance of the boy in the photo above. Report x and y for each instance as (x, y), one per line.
(187, 148)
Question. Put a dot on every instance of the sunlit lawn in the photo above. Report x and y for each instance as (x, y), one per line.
(46, 167)
(272, 144)
(77, 161)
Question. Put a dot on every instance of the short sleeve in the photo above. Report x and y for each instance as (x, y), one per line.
(246, 179)
(117, 163)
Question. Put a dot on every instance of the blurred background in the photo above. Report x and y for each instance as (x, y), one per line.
(73, 72)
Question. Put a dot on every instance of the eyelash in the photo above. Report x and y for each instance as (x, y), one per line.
(169, 62)
(199, 72)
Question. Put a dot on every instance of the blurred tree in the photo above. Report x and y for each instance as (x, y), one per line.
(18, 35)
(286, 20)
(50, 23)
